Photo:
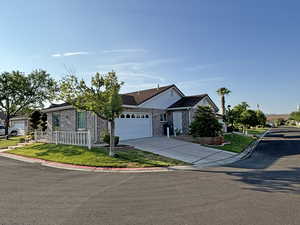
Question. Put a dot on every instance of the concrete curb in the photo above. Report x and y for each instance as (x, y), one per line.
(243, 155)
(85, 168)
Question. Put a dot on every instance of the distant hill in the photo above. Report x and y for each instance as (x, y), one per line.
(272, 117)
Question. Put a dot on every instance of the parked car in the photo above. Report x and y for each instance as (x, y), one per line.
(11, 131)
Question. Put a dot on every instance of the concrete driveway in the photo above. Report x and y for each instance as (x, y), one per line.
(177, 149)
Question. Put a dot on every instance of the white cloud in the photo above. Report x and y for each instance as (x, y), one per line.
(69, 54)
(56, 55)
(139, 75)
(129, 50)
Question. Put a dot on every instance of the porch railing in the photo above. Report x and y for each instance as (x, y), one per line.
(80, 138)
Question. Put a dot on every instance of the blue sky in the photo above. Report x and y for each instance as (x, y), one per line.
(251, 47)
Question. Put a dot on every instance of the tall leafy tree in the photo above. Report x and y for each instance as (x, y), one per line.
(295, 116)
(101, 97)
(222, 92)
(261, 118)
(20, 92)
(248, 119)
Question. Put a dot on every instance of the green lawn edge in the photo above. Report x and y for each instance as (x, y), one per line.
(237, 143)
(12, 141)
(98, 157)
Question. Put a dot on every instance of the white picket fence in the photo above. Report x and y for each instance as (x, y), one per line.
(80, 138)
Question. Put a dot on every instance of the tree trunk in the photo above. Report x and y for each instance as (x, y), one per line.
(223, 105)
(224, 112)
(112, 138)
(6, 124)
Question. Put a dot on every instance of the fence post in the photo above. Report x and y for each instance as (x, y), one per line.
(56, 137)
(89, 139)
(168, 132)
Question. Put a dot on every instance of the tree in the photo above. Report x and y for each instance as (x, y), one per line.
(222, 92)
(295, 116)
(44, 121)
(261, 118)
(101, 97)
(237, 112)
(205, 123)
(248, 118)
(35, 119)
(19, 92)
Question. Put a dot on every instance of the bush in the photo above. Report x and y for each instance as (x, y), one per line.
(205, 123)
(106, 139)
(22, 140)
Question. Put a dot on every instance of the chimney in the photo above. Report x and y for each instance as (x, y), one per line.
(157, 86)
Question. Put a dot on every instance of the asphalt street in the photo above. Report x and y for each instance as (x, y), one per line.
(263, 189)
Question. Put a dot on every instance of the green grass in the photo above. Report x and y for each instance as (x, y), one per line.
(257, 131)
(237, 143)
(10, 142)
(95, 157)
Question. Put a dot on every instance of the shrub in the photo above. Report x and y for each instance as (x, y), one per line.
(22, 140)
(205, 123)
(106, 138)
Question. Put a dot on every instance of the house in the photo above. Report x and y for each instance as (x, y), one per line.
(2, 118)
(20, 123)
(145, 114)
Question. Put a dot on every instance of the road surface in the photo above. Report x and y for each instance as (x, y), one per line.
(264, 189)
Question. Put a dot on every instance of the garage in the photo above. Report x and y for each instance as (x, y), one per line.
(19, 126)
(133, 125)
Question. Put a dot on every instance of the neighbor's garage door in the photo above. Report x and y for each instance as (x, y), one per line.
(19, 126)
(134, 125)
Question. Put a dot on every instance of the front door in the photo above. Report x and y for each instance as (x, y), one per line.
(177, 120)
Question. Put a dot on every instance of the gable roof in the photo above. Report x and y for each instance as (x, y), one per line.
(188, 101)
(132, 98)
(144, 95)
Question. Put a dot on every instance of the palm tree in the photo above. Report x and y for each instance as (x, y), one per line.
(222, 92)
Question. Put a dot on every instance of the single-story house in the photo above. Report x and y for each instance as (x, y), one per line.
(20, 123)
(145, 114)
(2, 118)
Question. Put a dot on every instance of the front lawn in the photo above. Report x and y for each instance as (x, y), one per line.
(237, 143)
(10, 142)
(257, 131)
(77, 155)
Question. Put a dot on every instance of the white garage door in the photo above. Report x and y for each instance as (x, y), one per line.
(19, 126)
(134, 125)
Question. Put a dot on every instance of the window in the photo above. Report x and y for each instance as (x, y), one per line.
(128, 116)
(147, 116)
(55, 121)
(163, 117)
(132, 116)
(81, 120)
(122, 116)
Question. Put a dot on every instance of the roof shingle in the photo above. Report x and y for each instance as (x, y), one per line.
(188, 101)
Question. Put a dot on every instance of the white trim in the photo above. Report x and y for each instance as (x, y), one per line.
(179, 108)
(130, 106)
(58, 108)
(209, 100)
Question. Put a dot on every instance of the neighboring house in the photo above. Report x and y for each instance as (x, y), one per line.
(2, 118)
(145, 114)
(20, 123)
